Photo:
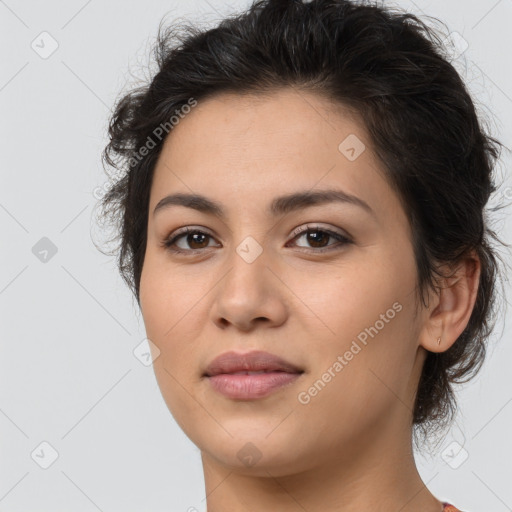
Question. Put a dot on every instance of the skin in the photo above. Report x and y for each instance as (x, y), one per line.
(349, 448)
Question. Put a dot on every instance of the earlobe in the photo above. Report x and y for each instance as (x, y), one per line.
(452, 306)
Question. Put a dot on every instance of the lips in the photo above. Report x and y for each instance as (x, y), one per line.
(250, 376)
(255, 361)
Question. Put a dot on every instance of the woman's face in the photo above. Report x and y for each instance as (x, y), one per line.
(342, 312)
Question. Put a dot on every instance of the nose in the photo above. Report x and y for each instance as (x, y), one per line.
(251, 293)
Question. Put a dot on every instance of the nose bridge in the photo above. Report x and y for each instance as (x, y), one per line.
(248, 263)
(251, 251)
(248, 241)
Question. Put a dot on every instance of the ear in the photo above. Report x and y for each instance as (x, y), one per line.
(450, 308)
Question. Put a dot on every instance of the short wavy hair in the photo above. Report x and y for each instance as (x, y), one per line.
(393, 70)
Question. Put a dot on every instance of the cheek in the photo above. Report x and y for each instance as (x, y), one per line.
(364, 313)
(170, 305)
(168, 318)
(164, 296)
(345, 299)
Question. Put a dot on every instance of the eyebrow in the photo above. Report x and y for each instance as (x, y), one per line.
(279, 206)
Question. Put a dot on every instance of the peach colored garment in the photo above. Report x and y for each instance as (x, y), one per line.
(449, 508)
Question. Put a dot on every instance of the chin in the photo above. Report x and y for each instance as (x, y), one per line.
(257, 454)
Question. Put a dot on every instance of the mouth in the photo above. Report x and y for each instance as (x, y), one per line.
(249, 363)
(251, 375)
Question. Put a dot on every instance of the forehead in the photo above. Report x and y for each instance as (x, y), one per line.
(268, 125)
(242, 147)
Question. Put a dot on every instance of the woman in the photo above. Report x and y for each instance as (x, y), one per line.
(301, 210)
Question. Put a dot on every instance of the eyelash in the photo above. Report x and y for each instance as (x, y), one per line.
(170, 241)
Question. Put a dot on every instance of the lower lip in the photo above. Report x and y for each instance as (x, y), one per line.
(250, 387)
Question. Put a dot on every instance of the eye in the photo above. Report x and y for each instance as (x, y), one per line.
(317, 236)
(196, 237)
(193, 236)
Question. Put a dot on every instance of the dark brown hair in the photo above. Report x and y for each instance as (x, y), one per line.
(388, 66)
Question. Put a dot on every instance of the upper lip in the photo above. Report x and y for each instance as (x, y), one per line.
(231, 362)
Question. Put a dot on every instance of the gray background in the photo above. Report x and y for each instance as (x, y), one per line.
(69, 376)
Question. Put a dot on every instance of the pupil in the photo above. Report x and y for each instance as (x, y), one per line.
(193, 235)
(316, 235)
